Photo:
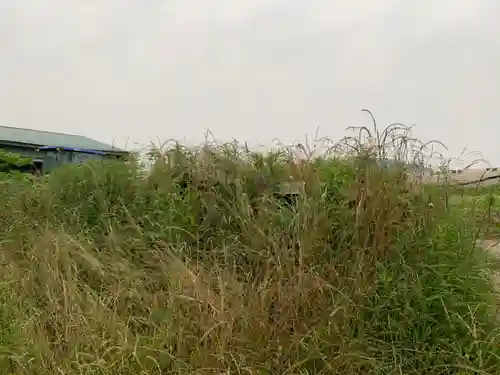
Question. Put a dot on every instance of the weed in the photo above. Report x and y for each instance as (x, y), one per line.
(198, 267)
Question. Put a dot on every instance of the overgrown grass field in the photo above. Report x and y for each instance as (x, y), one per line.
(199, 266)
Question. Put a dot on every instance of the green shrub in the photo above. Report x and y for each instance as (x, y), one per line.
(199, 267)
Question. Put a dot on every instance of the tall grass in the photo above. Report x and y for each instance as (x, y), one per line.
(198, 267)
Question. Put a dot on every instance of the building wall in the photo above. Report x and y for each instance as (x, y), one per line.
(473, 175)
(78, 157)
(53, 159)
(465, 176)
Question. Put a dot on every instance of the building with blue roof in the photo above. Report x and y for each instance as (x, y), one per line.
(48, 150)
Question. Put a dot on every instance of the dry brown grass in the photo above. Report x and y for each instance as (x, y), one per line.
(106, 270)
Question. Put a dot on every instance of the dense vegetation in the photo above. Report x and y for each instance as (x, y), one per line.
(199, 266)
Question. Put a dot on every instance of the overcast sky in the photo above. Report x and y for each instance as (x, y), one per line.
(252, 69)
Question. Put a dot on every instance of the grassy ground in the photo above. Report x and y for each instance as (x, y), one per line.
(483, 203)
(106, 270)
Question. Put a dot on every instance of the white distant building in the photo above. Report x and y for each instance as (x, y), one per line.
(421, 174)
(475, 176)
(467, 177)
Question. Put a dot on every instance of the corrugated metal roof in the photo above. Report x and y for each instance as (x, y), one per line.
(44, 138)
